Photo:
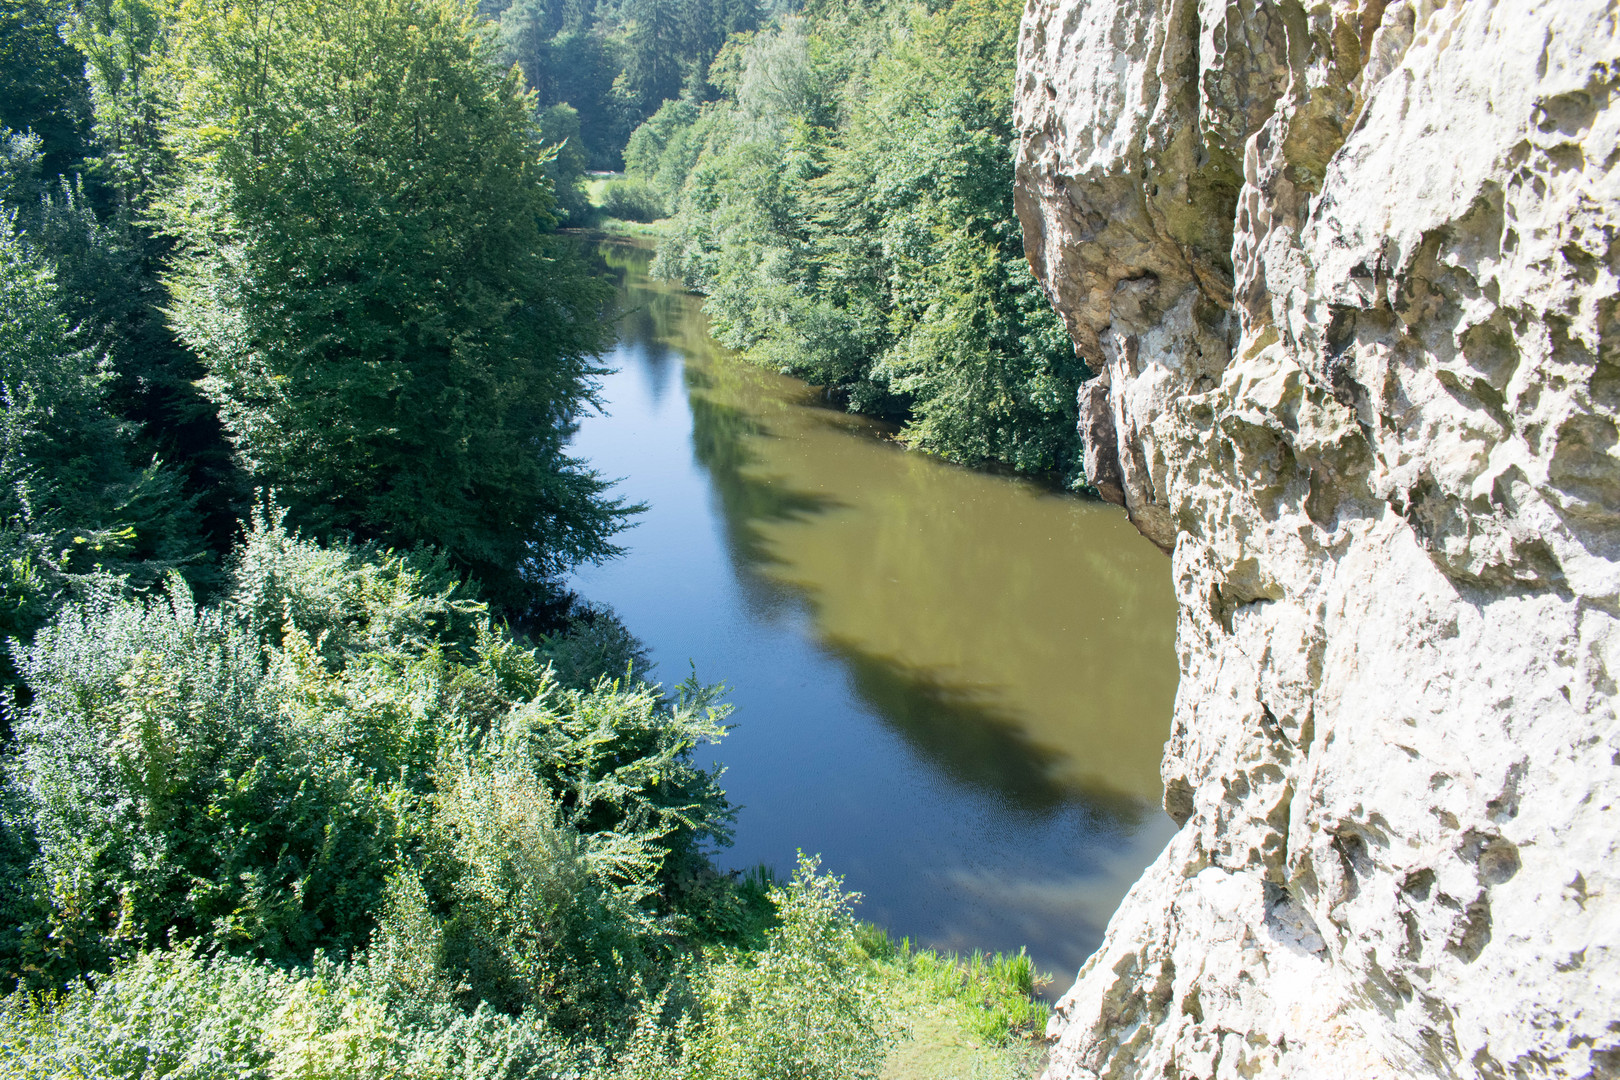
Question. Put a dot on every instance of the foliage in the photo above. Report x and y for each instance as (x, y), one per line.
(351, 600)
(57, 441)
(663, 150)
(177, 1013)
(124, 44)
(75, 495)
(590, 643)
(803, 1008)
(42, 85)
(848, 210)
(254, 777)
(77, 170)
(565, 167)
(171, 798)
(347, 759)
(631, 200)
(391, 340)
(538, 912)
(618, 62)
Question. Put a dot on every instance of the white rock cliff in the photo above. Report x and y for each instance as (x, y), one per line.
(1349, 273)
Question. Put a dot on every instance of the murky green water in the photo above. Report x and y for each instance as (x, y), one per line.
(954, 686)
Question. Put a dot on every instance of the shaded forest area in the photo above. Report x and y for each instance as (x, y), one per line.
(615, 62)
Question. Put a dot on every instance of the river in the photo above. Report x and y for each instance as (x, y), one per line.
(954, 686)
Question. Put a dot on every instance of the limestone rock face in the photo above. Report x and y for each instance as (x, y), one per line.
(1349, 269)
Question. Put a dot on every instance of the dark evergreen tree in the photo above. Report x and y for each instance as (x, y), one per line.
(77, 495)
(80, 194)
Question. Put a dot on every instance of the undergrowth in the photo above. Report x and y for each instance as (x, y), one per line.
(999, 992)
(343, 824)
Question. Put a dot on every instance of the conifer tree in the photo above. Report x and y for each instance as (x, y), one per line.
(76, 496)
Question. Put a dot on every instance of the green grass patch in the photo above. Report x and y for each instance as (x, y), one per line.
(624, 207)
(619, 227)
(596, 186)
(976, 1017)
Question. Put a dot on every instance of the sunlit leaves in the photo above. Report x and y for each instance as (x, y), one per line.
(393, 342)
(850, 217)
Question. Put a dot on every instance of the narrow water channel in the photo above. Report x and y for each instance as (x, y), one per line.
(953, 686)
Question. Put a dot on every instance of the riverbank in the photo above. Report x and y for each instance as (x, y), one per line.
(946, 682)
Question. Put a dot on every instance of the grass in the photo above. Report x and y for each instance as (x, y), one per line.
(597, 185)
(618, 227)
(962, 1018)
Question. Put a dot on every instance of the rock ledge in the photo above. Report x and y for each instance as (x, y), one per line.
(1349, 271)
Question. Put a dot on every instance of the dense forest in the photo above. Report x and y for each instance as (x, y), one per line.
(615, 62)
(311, 766)
(846, 205)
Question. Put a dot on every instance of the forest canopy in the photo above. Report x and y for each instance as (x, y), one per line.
(846, 206)
(617, 61)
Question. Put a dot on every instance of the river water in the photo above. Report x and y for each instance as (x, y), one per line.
(953, 686)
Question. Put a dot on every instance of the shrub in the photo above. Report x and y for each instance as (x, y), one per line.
(591, 643)
(631, 200)
(538, 915)
(176, 1013)
(352, 599)
(802, 1009)
(171, 795)
(252, 777)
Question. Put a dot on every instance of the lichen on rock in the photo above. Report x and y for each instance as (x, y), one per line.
(1349, 271)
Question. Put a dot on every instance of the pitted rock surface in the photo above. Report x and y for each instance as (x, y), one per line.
(1349, 271)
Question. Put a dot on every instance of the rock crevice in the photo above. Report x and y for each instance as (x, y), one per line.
(1349, 272)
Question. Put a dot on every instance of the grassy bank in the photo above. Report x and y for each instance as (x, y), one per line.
(603, 191)
(973, 1018)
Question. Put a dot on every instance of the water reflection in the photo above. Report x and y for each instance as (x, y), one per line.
(721, 444)
(957, 730)
(955, 686)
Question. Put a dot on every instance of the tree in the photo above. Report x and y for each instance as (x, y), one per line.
(359, 196)
(652, 66)
(559, 129)
(75, 494)
(848, 211)
(78, 166)
(42, 85)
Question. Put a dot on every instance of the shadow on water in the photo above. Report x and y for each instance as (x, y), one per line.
(963, 734)
(719, 444)
(957, 727)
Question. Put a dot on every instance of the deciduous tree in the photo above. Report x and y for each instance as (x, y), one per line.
(360, 201)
